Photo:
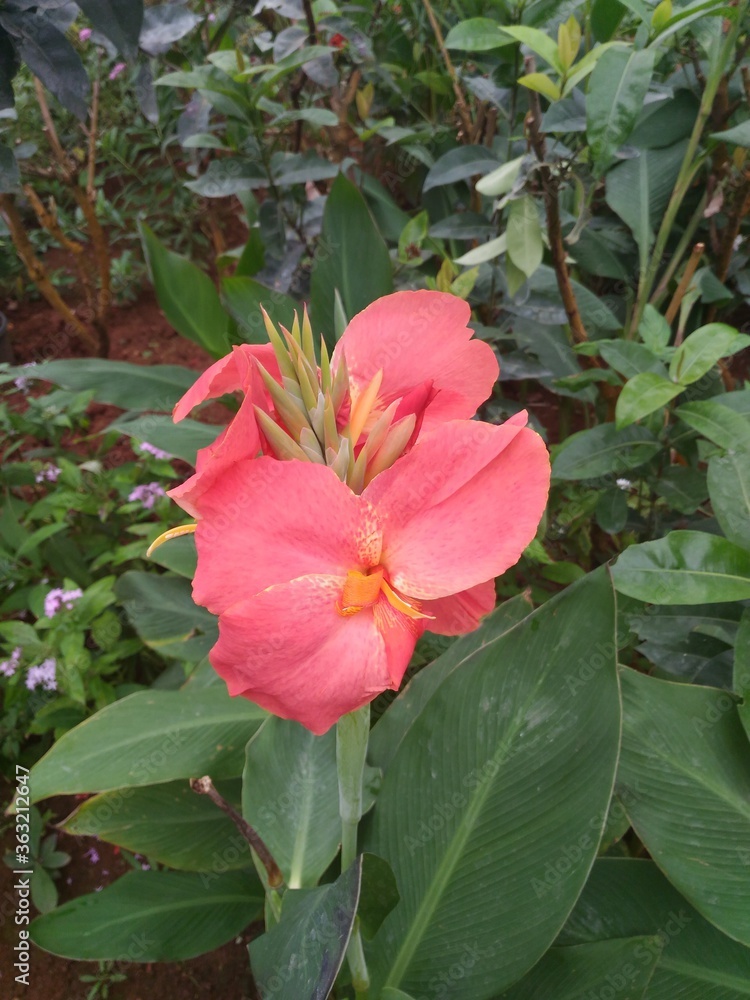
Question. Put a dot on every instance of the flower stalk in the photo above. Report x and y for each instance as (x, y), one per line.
(352, 734)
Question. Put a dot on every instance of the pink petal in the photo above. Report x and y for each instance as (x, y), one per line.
(461, 507)
(241, 438)
(462, 612)
(417, 337)
(266, 522)
(400, 635)
(228, 374)
(290, 651)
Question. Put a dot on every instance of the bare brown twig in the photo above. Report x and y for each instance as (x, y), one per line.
(37, 272)
(462, 106)
(684, 284)
(85, 202)
(550, 190)
(204, 786)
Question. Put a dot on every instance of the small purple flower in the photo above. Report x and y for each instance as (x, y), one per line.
(147, 494)
(84, 34)
(42, 675)
(48, 474)
(151, 449)
(59, 598)
(211, 17)
(116, 70)
(8, 667)
(93, 855)
(22, 383)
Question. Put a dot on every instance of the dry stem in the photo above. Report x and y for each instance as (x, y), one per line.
(684, 284)
(37, 272)
(550, 190)
(463, 108)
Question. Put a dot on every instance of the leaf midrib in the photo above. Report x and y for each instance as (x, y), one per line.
(297, 866)
(723, 795)
(445, 869)
(450, 859)
(698, 972)
(191, 903)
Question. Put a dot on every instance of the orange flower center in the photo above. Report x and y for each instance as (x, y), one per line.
(362, 590)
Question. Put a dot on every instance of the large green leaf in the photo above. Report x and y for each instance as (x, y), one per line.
(629, 358)
(536, 708)
(716, 421)
(243, 298)
(119, 20)
(729, 489)
(643, 394)
(638, 191)
(290, 795)
(603, 968)
(8, 68)
(738, 136)
(163, 613)
(119, 383)
(148, 738)
(459, 165)
(524, 235)
(182, 440)
(301, 956)
(684, 779)
(49, 55)
(298, 168)
(168, 823)
(186, 295)
(225, 177)
(684, 567)
(702, 349)
(605, 17)
(626, 897)
(350, 258)
(180, 556)
(390, 730)
(152, 917)
(603, 450)
(477, 34)
(615, 96)
(537, 40)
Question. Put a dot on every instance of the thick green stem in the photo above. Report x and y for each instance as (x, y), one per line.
(352, 734)
(690, 162)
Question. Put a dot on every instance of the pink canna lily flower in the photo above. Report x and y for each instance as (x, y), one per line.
(322, 593)
(405, 364)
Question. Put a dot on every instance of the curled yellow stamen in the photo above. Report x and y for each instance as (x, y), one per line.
(362, 590)
(410, 610)
(167, 536)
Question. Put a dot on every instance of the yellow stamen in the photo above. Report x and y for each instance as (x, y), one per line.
(410, 610)
(362, 409)
(167, 536)
(362, 590)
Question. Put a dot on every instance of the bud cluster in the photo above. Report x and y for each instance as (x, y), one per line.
(317, 417)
